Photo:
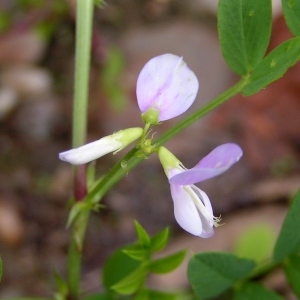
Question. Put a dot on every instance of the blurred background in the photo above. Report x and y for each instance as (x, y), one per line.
(36, 88)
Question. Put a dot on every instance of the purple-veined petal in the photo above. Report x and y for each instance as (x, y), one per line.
(186, 213)
(167, 85)
(216, 162)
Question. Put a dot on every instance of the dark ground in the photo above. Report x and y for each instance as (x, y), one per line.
(36, 82)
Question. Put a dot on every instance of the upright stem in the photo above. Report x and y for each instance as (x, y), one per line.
(84, 21)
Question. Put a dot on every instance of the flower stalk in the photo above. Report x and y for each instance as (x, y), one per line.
(84, 20)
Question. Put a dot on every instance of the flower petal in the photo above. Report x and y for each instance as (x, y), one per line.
(186, 213)
(167, 85)
(216, 162)
(207, 225)
(90, 151)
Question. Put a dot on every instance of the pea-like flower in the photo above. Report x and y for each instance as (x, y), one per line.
(111, 143)
(166, 88)
(192, 207)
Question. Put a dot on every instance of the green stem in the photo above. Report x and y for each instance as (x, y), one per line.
(117, 172)
(84, 17)
(84, 21)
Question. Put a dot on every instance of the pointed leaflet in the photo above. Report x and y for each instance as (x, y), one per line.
(212, 273)
(159, 241)
(244, 31)
(167, 264)
(291, 11)
(255, 291)
(288, 241)
(117, 266)
(143, 237)
(273, 66)
(292, 272)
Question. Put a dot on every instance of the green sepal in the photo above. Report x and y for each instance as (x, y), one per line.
(151, 116)
(143, 236)
(167, 264)
(160, 240)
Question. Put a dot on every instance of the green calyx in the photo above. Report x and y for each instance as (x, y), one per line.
(168, 159)
(151, 116)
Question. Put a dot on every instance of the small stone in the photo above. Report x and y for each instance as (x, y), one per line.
(8, 101)
(23, 47)
(11, 224)
(27, 80)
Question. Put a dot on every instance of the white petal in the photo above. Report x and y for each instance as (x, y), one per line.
(186, 213)
(91, 151)
(204, 207)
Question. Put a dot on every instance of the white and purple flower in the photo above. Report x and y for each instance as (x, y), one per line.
(192, 207)
(111, 143)
(166, 88)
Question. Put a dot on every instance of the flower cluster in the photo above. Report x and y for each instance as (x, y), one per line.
(166, 88)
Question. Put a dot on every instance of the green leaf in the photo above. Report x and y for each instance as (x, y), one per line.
(259, 234)
(99, 297)
(61, 285)
(137, 253)
(131, 283)
(77, 209)
(212, 273)
(255, 291)
(291, 11)
(143, 237)
(159, 241)
(167, 264)
(244, 31)
(292, 272)
(288, 241)
(273, 66)
(117, 266)
(158, 295)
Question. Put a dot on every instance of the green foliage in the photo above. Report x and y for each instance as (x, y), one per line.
(292, 272)
(288, 241)
(212, 273)
(111, 78)
(125, 272)
(244, 32)
(143, 237)
(291, 11)
(117, 267)
(260, 234)
(167, 264)
(255, 291)
(273, 66)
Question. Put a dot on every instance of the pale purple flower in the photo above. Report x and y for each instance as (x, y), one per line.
(192, 207)
(167, 86)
